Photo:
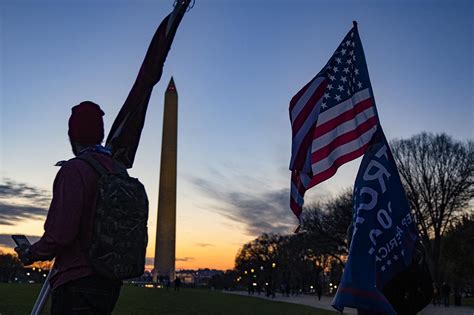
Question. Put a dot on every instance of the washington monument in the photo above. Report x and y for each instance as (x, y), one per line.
(165, 250)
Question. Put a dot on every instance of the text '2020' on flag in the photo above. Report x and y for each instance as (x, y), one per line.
(334, 121)
(383, 233)
(124, 136)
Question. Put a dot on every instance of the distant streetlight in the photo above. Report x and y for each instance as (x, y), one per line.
(28, 274)
(44, 275)
(245, 271)
(261, 267)
(252, 270)
(33, 268)
(274, 265)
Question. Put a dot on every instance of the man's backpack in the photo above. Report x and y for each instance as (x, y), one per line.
(119, 240)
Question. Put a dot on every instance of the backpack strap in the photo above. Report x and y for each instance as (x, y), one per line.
(96, 165)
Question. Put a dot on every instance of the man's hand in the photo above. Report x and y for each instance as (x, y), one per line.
(24, 254)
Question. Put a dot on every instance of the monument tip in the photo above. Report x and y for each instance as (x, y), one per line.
(171, 85)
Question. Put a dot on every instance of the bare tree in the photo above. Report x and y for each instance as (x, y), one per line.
(438, 176)
(325, 225)
(457, 252)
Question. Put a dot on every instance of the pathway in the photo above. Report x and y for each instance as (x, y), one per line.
(325, 303)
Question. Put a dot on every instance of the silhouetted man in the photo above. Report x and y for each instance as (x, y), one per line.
(319, 290)
(69, 224)
(77, 286)
(446, 290)
(177, 283)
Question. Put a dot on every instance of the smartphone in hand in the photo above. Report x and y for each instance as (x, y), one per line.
(20, 240)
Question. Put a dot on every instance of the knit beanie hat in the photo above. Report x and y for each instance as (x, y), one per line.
(85, 124)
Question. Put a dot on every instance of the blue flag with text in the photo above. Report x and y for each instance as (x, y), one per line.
(383, 232)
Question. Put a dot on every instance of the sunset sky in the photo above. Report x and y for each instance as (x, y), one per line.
(236, 65)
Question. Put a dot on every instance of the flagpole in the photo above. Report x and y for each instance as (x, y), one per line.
(44, 294)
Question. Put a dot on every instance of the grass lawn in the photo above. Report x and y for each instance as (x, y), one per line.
(468, 301)
(19, 298)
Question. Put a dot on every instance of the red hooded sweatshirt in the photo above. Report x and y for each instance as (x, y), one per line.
(70, 221)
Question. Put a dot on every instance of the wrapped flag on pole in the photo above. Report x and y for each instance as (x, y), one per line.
(334, 120)
(126, 130)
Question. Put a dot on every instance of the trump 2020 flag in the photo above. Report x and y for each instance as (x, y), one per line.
(384, 232)
(333, 119)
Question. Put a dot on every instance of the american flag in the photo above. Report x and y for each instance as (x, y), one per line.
(333, 119)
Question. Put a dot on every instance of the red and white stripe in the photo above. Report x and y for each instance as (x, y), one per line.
(342, 134)
(299, 182)
(338, 135)
(304, 110)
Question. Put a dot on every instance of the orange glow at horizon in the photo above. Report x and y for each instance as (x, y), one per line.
(214, 245)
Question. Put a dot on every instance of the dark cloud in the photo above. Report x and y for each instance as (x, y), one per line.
(262, 210)
(150, 261)
(10, 214)
(203, 245)
(12, 189)
(18, 202)
(7, 241)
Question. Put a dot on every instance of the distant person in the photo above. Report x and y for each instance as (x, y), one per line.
(250, 289)
(177, 283)
(436, 294)
(79, 286)
(267, 290)
(288, 289)
(457, 296)
(446, 290)
(319, 291)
